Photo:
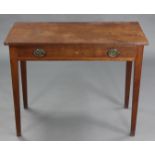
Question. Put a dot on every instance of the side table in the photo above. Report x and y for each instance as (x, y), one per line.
(106, 41)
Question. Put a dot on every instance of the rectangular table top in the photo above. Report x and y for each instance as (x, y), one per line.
(120, 33)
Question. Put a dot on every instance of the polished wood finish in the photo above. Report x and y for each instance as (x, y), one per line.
(127, 83)
(136, 88)
(117, 33)
(76, 41)
(24, 82)
(76, 52)
(15, 86)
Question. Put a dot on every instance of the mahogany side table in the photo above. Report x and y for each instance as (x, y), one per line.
(106, 41)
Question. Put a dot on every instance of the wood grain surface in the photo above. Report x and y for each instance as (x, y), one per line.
(76, 41)
(120, 33)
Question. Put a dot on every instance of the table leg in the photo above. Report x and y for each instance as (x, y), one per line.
(136, 88)
(127, 83)
(15, 86)
(24, 83)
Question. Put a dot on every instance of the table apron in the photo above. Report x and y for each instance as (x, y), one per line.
(79, 53)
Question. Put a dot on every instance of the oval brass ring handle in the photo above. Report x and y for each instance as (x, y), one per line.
(39, 53)
(113, 53)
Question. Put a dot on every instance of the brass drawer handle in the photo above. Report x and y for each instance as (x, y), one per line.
(113, 53)
(39, 53)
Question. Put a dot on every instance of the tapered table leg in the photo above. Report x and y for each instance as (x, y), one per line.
(24, 83)
(136, 88)
(15, 86)
(127, 83)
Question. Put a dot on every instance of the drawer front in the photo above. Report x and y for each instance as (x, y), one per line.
(80, 52)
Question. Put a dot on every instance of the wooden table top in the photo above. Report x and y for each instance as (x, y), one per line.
(120, 33)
